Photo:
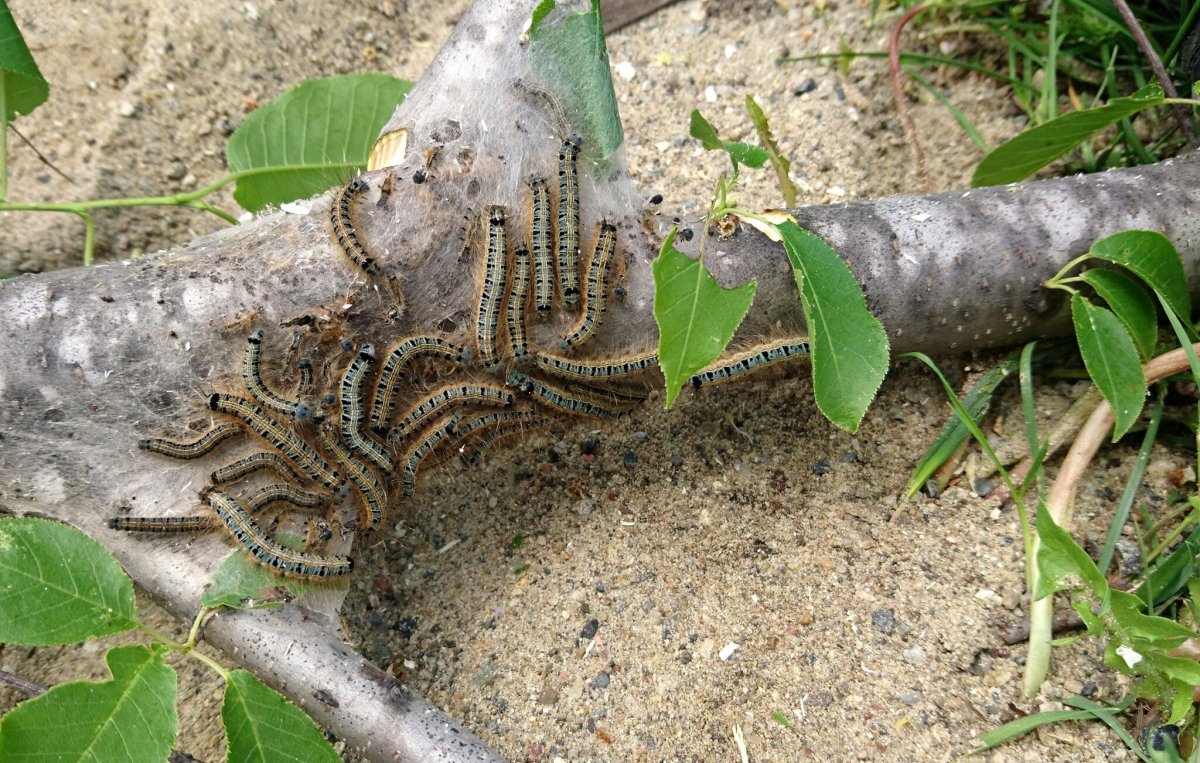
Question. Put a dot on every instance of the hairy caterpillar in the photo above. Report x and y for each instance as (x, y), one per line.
(266, 550)
(188, 450)
(750, 360)
(393, 371)
(597, 286)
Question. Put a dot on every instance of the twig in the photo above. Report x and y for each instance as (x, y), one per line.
(1059, 503)
(39, 154)
(910, 129)
(23, 685)
(1156, 64)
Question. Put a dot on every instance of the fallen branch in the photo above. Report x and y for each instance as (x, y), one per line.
(100, 357)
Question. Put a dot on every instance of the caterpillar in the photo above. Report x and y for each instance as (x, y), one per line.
(568, 219)
(343, 226)
(750, 360)
(354, 411)
(266, 550)
(561, 399)
(518, 296)
(373, 493)
(188, 450)
(393, 371)
(286, 441)
(279, 491)
(161, 524)
(548, 101)
(492, 296)
(540, 240)
(417, 453)
(262, 394)
(304, 385)
(592, 370)
(253, 463)
(597, 286)
(447, 396)
(499, 424)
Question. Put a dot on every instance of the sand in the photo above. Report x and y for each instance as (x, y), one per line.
(735, 566)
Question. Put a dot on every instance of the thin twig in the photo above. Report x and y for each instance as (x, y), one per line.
(1156, 64)
(910, 129)
(39, 154)
(23, 685)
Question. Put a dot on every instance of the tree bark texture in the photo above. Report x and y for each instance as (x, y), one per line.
(98, 358)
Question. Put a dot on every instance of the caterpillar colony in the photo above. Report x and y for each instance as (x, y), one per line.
(379, 421)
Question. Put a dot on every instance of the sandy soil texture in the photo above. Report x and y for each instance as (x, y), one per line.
(645, 591)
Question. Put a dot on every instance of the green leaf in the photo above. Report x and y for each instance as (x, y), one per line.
(696, 317)
(1107, 716)
(739, 153)
(1112, 361)
(1131, 304)
(261, 725)
(955, 432)
(567, 54)
(1153, 258)
(58, 586)
(700, 129)
(1060, 557)
(1172, 574)
(130, 718)
(312, 137)
(1022, 726)
(1033, 149)
(849, 345)
(22, 86)
(780, 162)
(240, 583)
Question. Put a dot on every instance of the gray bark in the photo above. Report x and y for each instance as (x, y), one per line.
(98, 358)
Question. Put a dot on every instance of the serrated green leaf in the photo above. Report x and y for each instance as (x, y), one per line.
(261, 725)
(1059, 557)
(739, 153)
(1131, 304)
(240, 583)
(700, 129)
(1148, 631)
(130, 718)
(954, 433)
(746, 154)
(568, 54)
(1152, 257)
(312, 137)
(696, 317)
(58, 586)
(1111, 360)
(1033, 149)
(849, 344)
(22, 86)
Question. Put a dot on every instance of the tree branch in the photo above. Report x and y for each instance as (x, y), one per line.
(98, 357)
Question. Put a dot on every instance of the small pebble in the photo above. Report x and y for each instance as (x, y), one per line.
(806, 86)
(727, 651)
(884, 620)
(589, 444)
(602, 680)
(626, 71)
(631, 458)
(127, 109)
(676, 460)
(590, 629)
(910, 698)
(641, 436)
(982, 487)
(821, 467)
(915, 654)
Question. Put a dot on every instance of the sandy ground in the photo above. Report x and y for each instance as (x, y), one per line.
(643, 591)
